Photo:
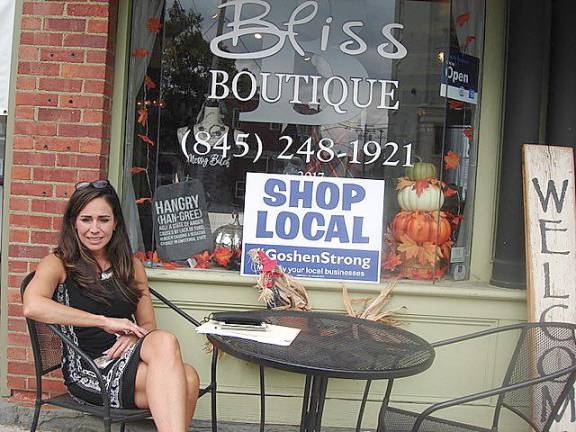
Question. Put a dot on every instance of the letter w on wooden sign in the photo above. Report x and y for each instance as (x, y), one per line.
(550, 226)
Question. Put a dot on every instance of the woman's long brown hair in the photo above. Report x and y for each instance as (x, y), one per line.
(79, 262)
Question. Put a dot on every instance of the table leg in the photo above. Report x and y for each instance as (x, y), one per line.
(313, 403)
(213, 388)
(363, 405)
(382, 414)
(262, 400)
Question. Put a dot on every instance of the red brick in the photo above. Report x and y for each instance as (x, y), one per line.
(78, 161)
(65, 24)
(48, 385)
(23, 142)
(96, 57)
(14, 293)
(45, 238)
(20, 368)
(94, 116)
(62, 55)
(48, 206)
(64, 191)
(17, 339)
(57, 175)
(60, 85)
(43, 8)
(98, 26)
(41, 38)
(34, 128)
(24, 113)
(17, 325)
(58, 144)
(59, 115)
(26, 83)
(17, 382)
(36, 159)
(14, 310)
(17, 353)
(73, 101)
(91, 175)
(19, 204)
(17, 266)
(36, 99)
(37, 68)
(95, 87)
(25, 398)
(89, 10)
(73, 130)
(31, 221)
(28, 53)
(28, 251)
(21, 173)
(19, 236)
(83, 71)
(91, 146)
(57, 222)
(85, 40)
(31, 189)
(30, 23)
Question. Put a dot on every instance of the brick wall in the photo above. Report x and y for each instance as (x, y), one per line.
(61, 136)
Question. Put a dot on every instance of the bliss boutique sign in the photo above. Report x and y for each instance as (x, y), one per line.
(341, 88)
(315, 228)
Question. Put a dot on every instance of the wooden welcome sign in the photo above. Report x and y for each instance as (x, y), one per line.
(550, 227)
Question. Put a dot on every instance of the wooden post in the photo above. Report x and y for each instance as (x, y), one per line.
(550, 227)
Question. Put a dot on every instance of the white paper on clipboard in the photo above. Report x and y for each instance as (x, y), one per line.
(274, 335)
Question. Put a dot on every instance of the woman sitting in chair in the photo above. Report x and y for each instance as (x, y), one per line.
(92, 286)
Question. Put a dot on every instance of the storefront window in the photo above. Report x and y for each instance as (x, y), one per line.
(378, 90)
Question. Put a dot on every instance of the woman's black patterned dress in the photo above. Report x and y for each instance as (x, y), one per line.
(120, 375)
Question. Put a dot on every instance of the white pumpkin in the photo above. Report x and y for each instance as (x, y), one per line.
(431, 199)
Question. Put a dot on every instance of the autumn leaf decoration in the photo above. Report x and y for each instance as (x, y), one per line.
(154, 25)
(463, 19)
(451, 160)
(142, 116)
(392, 261)
(455, 105)
(146, 139)
(202, 260)
(222, 255)
(149, 83)
(140, 53)
(427, 253)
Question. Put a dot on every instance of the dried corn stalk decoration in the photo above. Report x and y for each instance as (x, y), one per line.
(278, 290)
(372, 308)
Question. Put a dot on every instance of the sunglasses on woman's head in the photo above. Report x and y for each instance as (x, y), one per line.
(98, 184)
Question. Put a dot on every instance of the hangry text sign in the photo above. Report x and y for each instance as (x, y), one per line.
(550, 225)
(315, 227)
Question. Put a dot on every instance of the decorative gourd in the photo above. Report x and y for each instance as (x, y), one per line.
(229, 235)
(430, 198)
(421, 170)
(421, 227)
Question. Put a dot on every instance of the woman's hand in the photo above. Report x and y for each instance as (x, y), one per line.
(122, 344)
(122, 326)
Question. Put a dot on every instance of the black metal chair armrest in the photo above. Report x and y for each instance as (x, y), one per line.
(175, 308)
(478, 334)
(488, 393)
(70, 344)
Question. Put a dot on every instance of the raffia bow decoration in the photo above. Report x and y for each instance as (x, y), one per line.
(278, 290)
(372, 308)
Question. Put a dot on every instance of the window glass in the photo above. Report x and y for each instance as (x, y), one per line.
(365, 89)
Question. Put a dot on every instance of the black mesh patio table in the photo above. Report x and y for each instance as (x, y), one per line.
(331, 346)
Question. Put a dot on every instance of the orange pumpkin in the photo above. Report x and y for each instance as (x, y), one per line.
(422, 227)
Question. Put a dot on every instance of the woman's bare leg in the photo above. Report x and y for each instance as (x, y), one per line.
(163, 383)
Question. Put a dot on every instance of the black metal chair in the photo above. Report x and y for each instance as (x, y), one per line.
(47, 342)
(538, 380)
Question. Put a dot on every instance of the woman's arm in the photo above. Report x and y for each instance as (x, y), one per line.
(39, 306)
(144, 311)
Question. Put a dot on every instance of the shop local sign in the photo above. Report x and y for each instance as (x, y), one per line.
(315, 227)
